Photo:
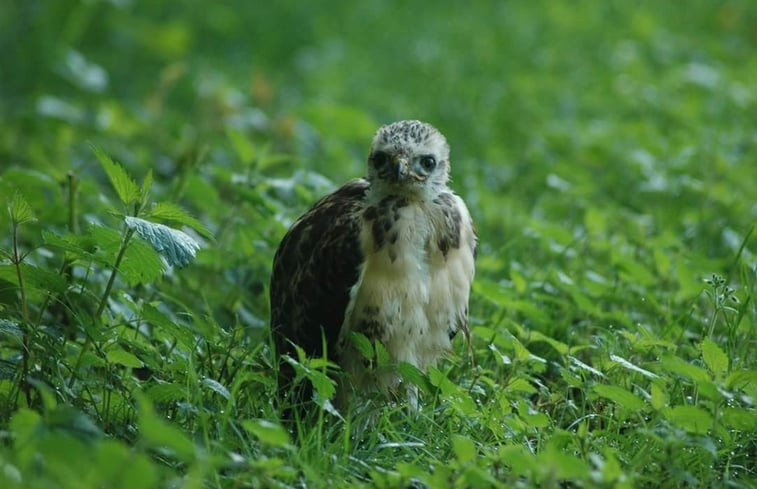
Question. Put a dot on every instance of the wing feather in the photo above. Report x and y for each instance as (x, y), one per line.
(315, 266)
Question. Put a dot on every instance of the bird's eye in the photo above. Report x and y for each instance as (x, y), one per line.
(428, 162)
(380, 159)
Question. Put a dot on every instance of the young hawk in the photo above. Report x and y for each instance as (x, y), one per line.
(389, 256)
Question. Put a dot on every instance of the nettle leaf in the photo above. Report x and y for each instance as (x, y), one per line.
(172, 212)
(176, 247)
(620, 396)
(127, 190)
(690, 418)
(141, 264)
(683, 368)
(412, 374)
(362, 344)
(715, 359)
(36, 278)
(20, 210)
(630, 366)
(322, 384)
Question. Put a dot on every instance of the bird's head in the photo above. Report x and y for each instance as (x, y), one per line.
(409, 158)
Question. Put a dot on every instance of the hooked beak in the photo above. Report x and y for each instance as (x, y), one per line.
(400, 168)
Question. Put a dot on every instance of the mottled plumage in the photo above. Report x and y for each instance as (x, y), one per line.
(389, 256)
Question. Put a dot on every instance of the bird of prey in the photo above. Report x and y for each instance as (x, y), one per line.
(389, 256)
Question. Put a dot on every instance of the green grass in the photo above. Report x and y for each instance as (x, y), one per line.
(607, 151)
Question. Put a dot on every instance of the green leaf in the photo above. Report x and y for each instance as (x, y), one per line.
(683, 368)
(659, 398)
(146, 184)
(464, 448)
(242, 145)
(10, 329)
(182, 333)
(177, 247)
(167, 392)
(19, 209)
(217, 387)
(362, 344)
(267, 432)
(413, 375)
(37, 278)
(141, 264)
(127, 190)
(620, 396)
(634, 368)
(323, 385)
(561, 347)
(740, 419)
(174, 213)
(519, 384)
(123, 357)
(715, 359)
(691, 418)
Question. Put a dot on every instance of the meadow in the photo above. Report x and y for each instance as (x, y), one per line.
(153, 154)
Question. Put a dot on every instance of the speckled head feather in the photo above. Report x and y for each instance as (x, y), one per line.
(411, 149)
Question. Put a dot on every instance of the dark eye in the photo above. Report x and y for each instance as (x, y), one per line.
(428, 162)
(380, 159)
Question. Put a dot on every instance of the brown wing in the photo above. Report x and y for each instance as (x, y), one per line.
(314, 268)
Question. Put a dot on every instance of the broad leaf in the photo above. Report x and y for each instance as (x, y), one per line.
(177, 247)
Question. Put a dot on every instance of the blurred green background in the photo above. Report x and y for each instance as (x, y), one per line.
(627, 121)
(607, 151)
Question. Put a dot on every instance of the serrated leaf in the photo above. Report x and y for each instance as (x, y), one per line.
(34, 277)
(176, 247)
(267, 432)
(520, 384)
(715, 359)
(146, 184)
(362, 344)
(125, 187)
(123, 357)
(20, 210)
(141, 264)
(620, 396)
(561, 347)
(690, 418)
(217, 387)
(174, 213)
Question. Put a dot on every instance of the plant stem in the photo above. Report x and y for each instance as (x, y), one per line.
(26, 350)
(128, 233)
